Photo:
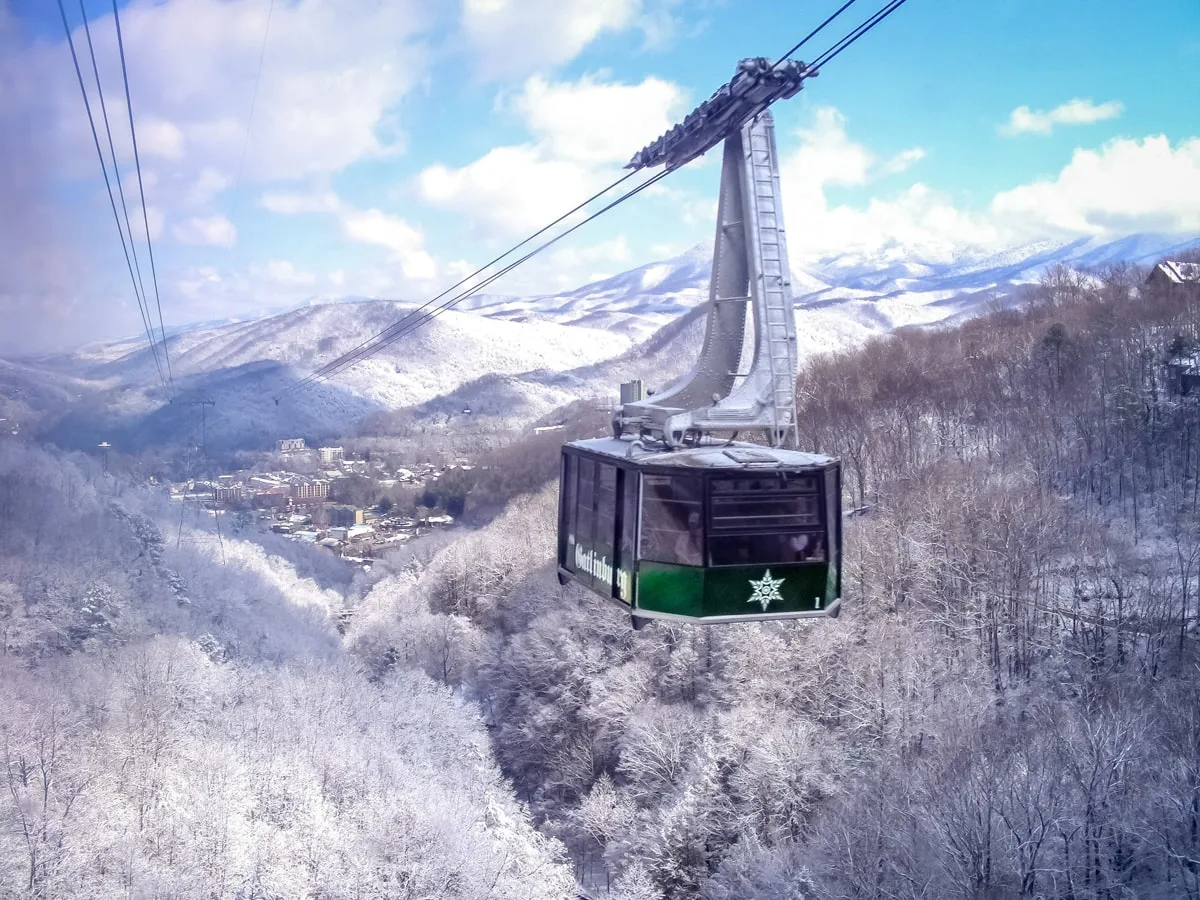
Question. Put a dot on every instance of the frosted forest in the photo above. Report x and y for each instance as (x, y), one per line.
(1008, 706)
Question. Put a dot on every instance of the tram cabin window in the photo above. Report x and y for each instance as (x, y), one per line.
(672, 519)
(766, 520)
(566, 525)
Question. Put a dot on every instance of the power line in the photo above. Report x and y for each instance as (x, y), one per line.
(108, 184)
(142, 192)
(882, 13)
(262, 53)
(142, 307)
(415, 319)
(804, 40)
(813, 69)
(351, 355)
(434, 313)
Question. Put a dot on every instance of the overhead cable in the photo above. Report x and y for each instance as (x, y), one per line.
(111, 199)
(416, 318)
(351, 355)
(804, 40)
(142, 192)
(412, 324)
(882, 13)
(262, 54)
(112, 151)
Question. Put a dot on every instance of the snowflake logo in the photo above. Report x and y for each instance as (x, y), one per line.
(766, 589)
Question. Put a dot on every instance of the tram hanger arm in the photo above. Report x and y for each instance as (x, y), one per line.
(756, 84)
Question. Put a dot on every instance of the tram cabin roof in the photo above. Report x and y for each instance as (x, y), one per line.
(717, 455)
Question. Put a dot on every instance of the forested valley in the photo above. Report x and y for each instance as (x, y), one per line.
(175, 725)
(1008, 706)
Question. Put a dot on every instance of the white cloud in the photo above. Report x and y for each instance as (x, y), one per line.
(205, 187)
(1127, 185)
(564, 267)
(284, 272)
(332, 69)
(333, 77)
(615, 251)
(291, 204)
(214, 231)
(510, 190)
(203, 292)
(1024, 120)
(373, 226)
(458, 269)
(826, 156)
(582, 130)
(596, 121)
(159, 137)
(515, 36)
(904, 160)
(365, 226)
(333, 72)
(153, 217)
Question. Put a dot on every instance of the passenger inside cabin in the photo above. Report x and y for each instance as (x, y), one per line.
(807, 547)
(687, 543)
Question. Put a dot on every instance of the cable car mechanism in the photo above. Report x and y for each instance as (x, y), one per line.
(667, 518)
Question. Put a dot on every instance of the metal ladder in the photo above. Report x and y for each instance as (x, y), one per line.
(776, 322)
(733, 388)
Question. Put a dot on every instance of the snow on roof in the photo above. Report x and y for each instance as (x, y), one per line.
(1181, 272)
(719, 455)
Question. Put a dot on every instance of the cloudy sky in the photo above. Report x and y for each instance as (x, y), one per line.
(389, 146)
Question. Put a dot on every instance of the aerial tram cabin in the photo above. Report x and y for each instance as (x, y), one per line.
(717, 532)
(666, 517)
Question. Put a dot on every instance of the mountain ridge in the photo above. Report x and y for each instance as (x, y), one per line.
(544, 350)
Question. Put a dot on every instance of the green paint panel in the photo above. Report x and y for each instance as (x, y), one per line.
(670, 589)
(741, 591)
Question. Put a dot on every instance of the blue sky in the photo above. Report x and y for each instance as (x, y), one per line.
(395, 145)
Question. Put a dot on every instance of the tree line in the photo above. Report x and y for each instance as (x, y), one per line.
(1008, 705)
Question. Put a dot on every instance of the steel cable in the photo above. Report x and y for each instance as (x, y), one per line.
(142, 193)
(418, 317)
(142, 308)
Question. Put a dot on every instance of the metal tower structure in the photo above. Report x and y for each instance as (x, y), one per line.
(200, 513)
(745, 378)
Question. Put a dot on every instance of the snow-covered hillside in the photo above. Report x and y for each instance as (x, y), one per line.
(244, 367)
(512, 358)
(873, 294)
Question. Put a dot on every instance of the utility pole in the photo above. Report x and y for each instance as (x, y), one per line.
(203, 403)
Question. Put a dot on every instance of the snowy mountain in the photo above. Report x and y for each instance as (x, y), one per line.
(873, 294)
(244, 367)
(512, 358)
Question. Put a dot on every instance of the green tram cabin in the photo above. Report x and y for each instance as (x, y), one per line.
(721, 532)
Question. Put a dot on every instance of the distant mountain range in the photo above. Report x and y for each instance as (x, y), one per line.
(882, 293)
(514, 359)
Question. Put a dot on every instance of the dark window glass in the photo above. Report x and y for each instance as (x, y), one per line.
(769, 519)
(672, 519)
(606, 523)
(738, 512)
(606, 504)
(629, 504)
(586, 502)
(803, 484)
(766, 549)
(567, 525)
(833, 503)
